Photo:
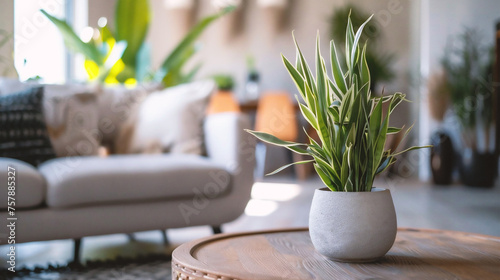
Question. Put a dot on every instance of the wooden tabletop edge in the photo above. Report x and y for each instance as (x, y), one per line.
(478, 235)
(183, 256)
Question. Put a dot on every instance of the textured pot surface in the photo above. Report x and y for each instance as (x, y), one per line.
(352, 226)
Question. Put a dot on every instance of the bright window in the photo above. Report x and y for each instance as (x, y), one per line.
(38, 46)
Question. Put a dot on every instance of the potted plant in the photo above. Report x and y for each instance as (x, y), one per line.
(224, 82)
(349, 219)
(468, 65)
(224, 100)
(252, 90)
(442, 157)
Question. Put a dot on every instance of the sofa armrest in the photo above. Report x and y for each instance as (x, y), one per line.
(230, 146)
(29, 185)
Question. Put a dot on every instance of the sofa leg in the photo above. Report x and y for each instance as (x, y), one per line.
(76, 250)
(165, 237)
(216, 229)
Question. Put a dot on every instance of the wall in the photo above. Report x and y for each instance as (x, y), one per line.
(100, 8)
(7, 24)
(258, 35)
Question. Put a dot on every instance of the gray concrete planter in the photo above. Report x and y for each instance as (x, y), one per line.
(352, 226)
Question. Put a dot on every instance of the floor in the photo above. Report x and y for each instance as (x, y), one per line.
(281, 202)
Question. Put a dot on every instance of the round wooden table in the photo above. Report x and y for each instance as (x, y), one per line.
(289, 254)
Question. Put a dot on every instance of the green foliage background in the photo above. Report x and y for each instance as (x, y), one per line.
(122, 56)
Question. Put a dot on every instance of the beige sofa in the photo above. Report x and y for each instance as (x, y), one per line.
(77, 197)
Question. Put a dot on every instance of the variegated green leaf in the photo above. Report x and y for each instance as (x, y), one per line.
(266, 137)
(308, 115)
(375, 122)
(337, 73)
(393, 130)
(354, 47)
(344, 173)
(326, 180)
(365, 73)
(296, 76)
(380, 143)
(411, 149)
(288, 165)
(338, 93)
(306, 71)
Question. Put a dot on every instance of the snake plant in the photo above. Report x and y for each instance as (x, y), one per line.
(350, 123)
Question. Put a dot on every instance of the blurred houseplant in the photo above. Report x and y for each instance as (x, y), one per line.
(442, 157)
(224, 82)
(352, 130)
(468, 64)
(122, 56)
(252, 90)
(380, 63)
(224, 100)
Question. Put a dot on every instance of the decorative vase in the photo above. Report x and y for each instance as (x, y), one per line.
(352, 226)
(442, 158)
(252, 90)
(478, 169)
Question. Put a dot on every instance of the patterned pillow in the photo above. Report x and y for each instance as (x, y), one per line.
(23, 134)
(71, 117)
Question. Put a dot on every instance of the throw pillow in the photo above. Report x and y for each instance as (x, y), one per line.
(23, 134)
(170, 120)
(116, 105)
(71, 116)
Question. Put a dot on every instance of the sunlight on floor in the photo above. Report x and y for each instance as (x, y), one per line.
(275, 191)
(257, 207)
(265, 197)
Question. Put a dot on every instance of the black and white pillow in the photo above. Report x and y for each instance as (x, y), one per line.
(23, 133)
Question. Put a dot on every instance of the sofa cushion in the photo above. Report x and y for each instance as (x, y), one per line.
(29, 184)
(83, 181)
